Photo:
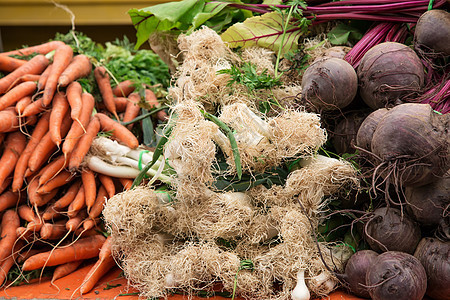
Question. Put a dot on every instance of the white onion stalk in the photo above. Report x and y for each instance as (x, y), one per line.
(300, 292)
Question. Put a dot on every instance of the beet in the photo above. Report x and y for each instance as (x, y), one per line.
(432, 33)
(389, 230)
(434, 255)
(396, 275)
(388, 72)
(355, 272)
(429, 203)
(329, 84)
(345, 132)
(367, 128)
(412, 142)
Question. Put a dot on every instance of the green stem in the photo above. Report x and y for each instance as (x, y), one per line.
(282, 39)
(141, 117)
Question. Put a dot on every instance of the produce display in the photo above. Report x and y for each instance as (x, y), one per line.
(261, 149)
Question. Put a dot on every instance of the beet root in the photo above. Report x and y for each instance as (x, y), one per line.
(344, 134)
(367, 128)
(355, 272)
(432, 33)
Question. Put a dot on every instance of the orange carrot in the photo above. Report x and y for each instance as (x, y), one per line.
(121, 103)
(65, 269)
(73, 93)
(108, 184)
(88, 225)
(53, 231)
(123, 89)
(79, 67)
(61, 59)
(68, 197)
(5, 184)
(104, 85)
(9, 64)
(126, 183)
(42, 49)
(10, 261)
(77, 129)
(22, 103)
(77, 204)
(10, 222)
(83, 145)
(22, 163)
(152, 101)
(50, 213)
(60, 106)
(25, 234)
(120, 132)
(34, 108)
(74, 222)
(133, 109)
(24, 78)
(29, 252)
(59, 180)
(34, 66)
(31, 120)
(27, 213)
(52, 169)
(38, 199)
(44, 76)
(17, 93)
(9, 121)
(90, 188)
(100, 201)
(8, 199)
(82, 249)
(14, 145)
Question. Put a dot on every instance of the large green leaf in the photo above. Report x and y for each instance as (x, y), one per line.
(343, 33)
(264, 31)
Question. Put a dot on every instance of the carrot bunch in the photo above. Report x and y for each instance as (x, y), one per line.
(47, 124)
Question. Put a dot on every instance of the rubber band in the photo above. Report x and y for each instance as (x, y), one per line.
(430, 5)
(140, 158)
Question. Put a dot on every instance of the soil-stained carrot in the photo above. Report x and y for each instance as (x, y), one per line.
(123, 89)
(77, 204)
(10, 222)
(52, 170)
(108, 184)
(79, 67)
(14, 145)
(8, 199)
(118, 131)
(68, 197)
(133, 109)
(73, 92)
(121, 103)
(46, 146)
(90, 187)
(53, 231)
(152, 101)
(24, 78)
(65, 269)
(44, 76)
(42, 49)
(17, 93)
(104, 85)
(82, 249)
(9, 120)
(34, 108)
(39, 131)
(61, 59)
(22, 103)
(59, 180)
(83, 145)
(10, 261)
(78, 128)
(60, 106)
(100, 201)
(9, 64)
(34, 66)
(126, 183)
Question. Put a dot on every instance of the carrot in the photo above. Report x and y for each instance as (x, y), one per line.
(14, 145)
(105, 263)
(34, 108)
(37, 199)
(7, 264)
(25, 234)
(108, 184)
(8, 199)
(22, 163)
(59, 180)
(53, 231)
(126, 183)
(42, 49)
(66, 269)
(61, 59)
(9, 64)
(44, 77)
(45, 147)
(9, 121)
(27, 213)
(52, 169)
(90, 188)
(77, 129)
(34, 66)
(22, 103)
(133, 109)
(68, 197)
(120, 132)
(60, 106)
(24, 78)
(10, 222)
(123, 89)
(77, 204)
(2, 137)
(74, 222)
(17, 93)
(88, 225)
(83, 145)
(31, 120)
(100, 201)
(29, 252)
(79, 67)
(104, 85)
(84, 248)
(121, 103)
(73, 93)
(5, 184)
(51, 213)
(152, 101)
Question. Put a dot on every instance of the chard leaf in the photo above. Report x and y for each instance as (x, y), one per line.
(264, 31)
(343, 33)
(272, 2)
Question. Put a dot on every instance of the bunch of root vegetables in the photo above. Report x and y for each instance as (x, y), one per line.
(51, 200)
